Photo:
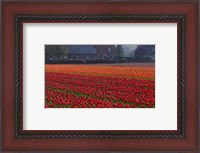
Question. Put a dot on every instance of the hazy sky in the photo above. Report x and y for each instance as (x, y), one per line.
(129, 50)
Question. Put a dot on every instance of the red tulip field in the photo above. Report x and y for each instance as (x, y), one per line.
(99, 86)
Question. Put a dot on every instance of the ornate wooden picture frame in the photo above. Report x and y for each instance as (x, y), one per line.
(184, 138)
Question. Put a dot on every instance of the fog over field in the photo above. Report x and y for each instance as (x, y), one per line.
(129, 50)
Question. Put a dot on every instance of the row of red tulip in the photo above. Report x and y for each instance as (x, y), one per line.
(64, 100)
(114, 92)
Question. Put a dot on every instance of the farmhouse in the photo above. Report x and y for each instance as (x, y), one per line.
(106, 51)
(81, 52)
(92, 52)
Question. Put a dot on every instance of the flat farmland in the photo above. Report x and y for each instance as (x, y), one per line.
(131, 64)
(126, 85)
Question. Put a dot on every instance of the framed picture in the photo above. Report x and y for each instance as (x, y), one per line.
(100, 76)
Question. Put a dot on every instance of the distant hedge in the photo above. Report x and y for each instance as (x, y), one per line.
(96, 61)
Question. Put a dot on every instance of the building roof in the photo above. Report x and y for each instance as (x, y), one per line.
(81, 49)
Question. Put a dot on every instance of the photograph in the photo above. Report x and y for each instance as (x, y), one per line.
(100, 76)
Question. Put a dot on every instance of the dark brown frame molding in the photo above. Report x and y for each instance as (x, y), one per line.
(15, 14)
